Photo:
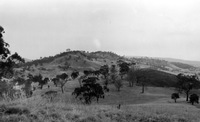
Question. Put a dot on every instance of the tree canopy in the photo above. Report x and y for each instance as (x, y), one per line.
(89, 91)
(7, 61)
(124, 68)
(186, 83)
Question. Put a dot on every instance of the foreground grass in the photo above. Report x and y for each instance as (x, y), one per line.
(39, 110)
(154, 105)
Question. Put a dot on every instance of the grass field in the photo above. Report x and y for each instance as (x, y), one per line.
(155, 105)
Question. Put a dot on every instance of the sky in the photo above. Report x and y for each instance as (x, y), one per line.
(153, 28)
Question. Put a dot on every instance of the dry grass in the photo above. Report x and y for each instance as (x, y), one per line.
(66, 110)
(62, 112)
(154, 105)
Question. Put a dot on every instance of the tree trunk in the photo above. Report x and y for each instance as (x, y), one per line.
(142, 88)
(187, 95)
(106, 82)
(118, 89)
(130, 84)
(62, 88)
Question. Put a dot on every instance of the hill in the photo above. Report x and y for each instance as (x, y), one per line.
(193, 63)
(70, 61)
(165, 65)
(157, 78)
(183, 66)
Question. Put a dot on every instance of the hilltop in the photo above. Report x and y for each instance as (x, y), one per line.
(70, 61)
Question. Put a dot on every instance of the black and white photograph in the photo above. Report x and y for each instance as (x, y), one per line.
(99, 60)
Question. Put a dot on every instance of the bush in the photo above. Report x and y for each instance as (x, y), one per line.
(15, 110)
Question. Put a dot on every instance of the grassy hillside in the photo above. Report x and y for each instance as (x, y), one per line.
(153, 106)
(183, 66)
(193, 63)
(157, 78)
(170, 66)
(69, 61)
(81, 60)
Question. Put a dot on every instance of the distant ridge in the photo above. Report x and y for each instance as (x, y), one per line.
(190, 62)
(194, 63)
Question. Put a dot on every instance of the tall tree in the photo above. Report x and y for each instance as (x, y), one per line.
(7, 61)
(104, 70)
(186, 83)
(142, 78)
(113, 73)
(124, 68)
(131, 77)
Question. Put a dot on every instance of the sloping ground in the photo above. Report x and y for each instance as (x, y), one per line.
(157, 78)
(174, 65)
(106, 55)
(159, 109)
(193, 63)
(155, 105)
(60, 112)
(70, 61)
(182, 65)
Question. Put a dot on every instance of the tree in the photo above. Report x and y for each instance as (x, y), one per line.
(131, 77)
(39, 79)
(43, 82)
(55, 81)
(186, 83)
(104, 70)
(124, 68)
(113, 74)
(7, 63)
(62, 80)
(86, 72)
(141, 78)
(74, 74)
(118, 84)
(89, 91)
(175, 96)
